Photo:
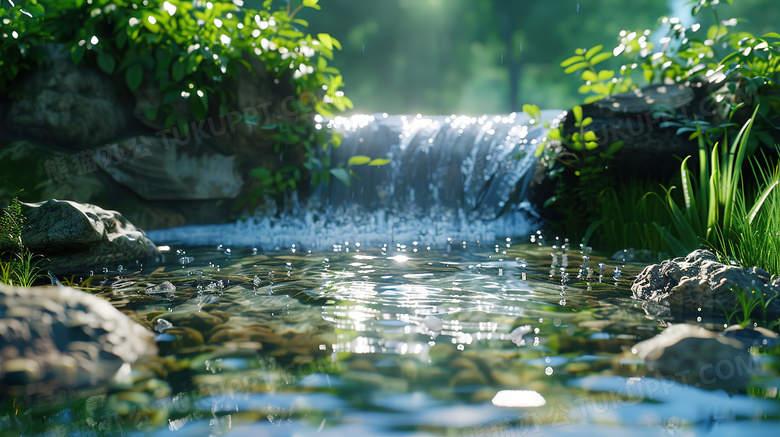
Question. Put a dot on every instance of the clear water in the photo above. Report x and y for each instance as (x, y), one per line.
(494, 338)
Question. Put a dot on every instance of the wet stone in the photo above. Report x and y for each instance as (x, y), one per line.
(468, 377)
(163, 289)
(185, 337)
(202, 320)
(162, 325)
(700, 286)
(752, 337)
(195, 350)
(69, 340)
(693, 355)
(463, 363)
(483, 395)
(229, 335)
(21, 371)
(376, 381)
(217, 329)
(507, 378)
(361, 365)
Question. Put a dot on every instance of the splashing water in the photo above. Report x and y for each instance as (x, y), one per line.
(457, 177)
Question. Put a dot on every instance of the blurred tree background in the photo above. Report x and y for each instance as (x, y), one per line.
(487, 56)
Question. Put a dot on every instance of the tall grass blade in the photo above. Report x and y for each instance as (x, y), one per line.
(735, 168)
(760, 202)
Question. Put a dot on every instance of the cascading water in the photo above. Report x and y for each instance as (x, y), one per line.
(450, 177)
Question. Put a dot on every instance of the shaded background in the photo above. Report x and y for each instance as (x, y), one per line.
(488, 56)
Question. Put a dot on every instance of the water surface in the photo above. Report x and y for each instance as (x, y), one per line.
(468, 338)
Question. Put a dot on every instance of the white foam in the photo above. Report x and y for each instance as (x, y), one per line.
(321, 231)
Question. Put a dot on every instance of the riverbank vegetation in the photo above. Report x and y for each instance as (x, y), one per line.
(18, 266)
(724, 197)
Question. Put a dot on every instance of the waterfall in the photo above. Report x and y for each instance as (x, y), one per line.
(450, 178)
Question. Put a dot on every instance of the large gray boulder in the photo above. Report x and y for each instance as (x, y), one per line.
(66, 105)
(56, 338)
(634, 117)
(700, 285)
(159, 168)
(80, 237)
(693, 355)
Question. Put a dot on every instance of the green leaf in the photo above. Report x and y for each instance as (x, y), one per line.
(589, 76)
(106, 62)
(572, 60)
(576, 67)
(121, 38)
(590, 53)
(179, 70)
(76, 53)
(151, 113)
(36, 10)
(197, 108)
(133, 76)
(380, 161)
(204, 100)
(649, 75)
(586, 122)
(290, 34)
(674, 244)
(539, 150)
(311, 4)
(532, 111)
(342, 175)
(326, 40)
(260, 173)
(358, 160)
(614, 147)
(577, 111)
(590, 136)
(606, 75)
(760, 202)
(591, 145)
(600, 58)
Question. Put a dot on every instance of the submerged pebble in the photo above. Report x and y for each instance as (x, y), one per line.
(165, 289)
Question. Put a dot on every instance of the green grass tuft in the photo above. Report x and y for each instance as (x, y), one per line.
(18, 266)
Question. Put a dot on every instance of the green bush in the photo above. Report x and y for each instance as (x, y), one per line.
(580, 170)
(190, 51)
(741, 72)
(18, 266)
(187, 49)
